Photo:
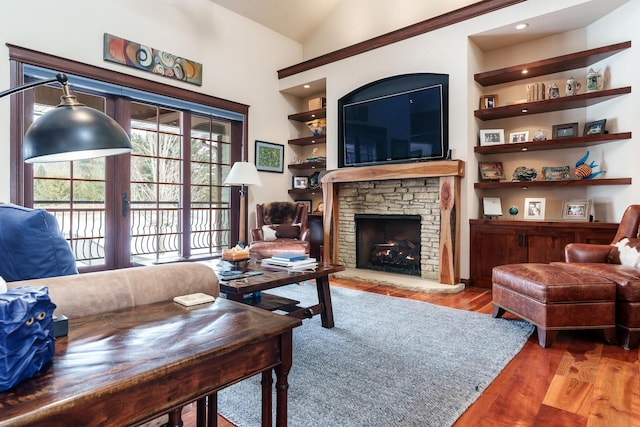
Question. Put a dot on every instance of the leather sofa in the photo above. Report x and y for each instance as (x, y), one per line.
(604, 261)
(102, 291)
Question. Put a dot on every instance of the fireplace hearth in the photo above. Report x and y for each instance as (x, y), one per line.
(388, 243)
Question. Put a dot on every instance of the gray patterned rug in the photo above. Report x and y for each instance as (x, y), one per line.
(388, 362)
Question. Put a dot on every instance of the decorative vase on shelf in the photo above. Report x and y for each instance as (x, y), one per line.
(594, 81)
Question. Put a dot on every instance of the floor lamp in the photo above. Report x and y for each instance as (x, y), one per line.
(243, 174)
(71, 131)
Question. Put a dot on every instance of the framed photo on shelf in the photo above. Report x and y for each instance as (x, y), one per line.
(567, 130)
(515, 137)
(576, 210)
(492, 206)
(306, 203)
(300, 182)
(488, 101)
(491, 137)
(534, 208)
(595, 128)
(491, 171)
(269, 157)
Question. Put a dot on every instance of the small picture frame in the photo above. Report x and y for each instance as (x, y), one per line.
(491, 171)
(576, 210)
(491, 137)
(566, 130)
(300, 182)
(515, 137)
(492, 206)
(488, 101)
(306, 203)
(595, 128)
(534, 208)
(269, 157)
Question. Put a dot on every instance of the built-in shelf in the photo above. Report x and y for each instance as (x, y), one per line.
(308, 140)
(297, 191)
(561, 184)
(309, 115)
(551, 144)
(308, 165)
(548, 105)
(550, 65)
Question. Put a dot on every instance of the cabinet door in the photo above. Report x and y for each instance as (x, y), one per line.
(547, 245)
(493, 246)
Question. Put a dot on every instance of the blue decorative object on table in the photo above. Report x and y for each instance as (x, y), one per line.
(26, 333)
(584, 170)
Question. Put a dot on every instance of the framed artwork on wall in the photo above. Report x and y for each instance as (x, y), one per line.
(269, 157)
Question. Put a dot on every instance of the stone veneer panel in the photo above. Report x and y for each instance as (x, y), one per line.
(414, 196)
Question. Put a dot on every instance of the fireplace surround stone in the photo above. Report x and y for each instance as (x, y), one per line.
(428, 189)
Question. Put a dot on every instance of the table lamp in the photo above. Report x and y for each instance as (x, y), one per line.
(71, 131)
(243, 174)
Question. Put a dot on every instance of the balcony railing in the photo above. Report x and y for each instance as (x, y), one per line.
(155, 231)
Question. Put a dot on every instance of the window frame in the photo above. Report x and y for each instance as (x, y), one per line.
(21, 174)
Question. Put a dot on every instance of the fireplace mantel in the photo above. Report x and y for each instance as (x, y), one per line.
(449, 171)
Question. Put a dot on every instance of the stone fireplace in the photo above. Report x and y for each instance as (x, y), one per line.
(428, 191)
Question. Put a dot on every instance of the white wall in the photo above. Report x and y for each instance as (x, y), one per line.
(449, 50)
(239, 57)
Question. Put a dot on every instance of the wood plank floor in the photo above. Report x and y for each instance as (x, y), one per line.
(579, 381)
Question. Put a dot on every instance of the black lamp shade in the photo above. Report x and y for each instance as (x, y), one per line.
(73, 132)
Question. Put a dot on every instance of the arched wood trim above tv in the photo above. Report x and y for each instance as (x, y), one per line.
(441, 21)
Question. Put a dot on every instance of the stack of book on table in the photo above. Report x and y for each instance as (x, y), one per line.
(290, 262)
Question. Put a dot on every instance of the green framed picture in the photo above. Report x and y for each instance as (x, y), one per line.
(269, 157)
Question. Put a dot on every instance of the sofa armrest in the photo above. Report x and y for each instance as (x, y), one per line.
(256, 234)
(586, 252)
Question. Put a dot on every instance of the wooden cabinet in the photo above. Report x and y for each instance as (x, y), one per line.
(541, 68)
(498, 242)
(316, 228)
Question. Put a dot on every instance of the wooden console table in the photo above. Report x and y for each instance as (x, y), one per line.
(128, 367)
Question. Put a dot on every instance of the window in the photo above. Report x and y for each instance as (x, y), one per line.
(164, 201)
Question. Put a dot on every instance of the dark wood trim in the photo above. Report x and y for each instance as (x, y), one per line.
(552, 144)
(32, 57)
(562, 183)
(441, 21)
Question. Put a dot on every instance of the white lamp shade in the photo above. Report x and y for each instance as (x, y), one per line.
(243, 173)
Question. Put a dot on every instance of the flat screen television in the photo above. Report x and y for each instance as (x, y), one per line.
(395, 120)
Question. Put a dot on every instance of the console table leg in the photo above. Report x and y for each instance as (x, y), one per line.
(267, 383)
(324, 298)
(282, 384)
(175, 418)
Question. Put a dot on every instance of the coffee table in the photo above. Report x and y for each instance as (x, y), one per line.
(239, 289)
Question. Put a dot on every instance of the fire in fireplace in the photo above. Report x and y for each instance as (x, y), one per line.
(388, 243)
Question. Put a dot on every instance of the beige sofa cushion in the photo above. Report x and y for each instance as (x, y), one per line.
(98, 292)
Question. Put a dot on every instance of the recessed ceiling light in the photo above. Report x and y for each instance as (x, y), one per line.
(521, 26)
(525, 71)
(306, 86)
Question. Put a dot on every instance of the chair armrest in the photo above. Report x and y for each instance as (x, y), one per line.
(256, 234)
(305, 234)
(586, 252)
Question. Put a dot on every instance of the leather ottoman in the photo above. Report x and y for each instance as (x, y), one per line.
(553, 299)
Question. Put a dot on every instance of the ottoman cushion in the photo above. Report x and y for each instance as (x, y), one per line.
(550, 284)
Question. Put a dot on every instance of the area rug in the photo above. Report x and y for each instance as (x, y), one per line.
(387, 362)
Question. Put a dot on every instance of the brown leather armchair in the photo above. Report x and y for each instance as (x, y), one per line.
(282, 227)
(603, 260)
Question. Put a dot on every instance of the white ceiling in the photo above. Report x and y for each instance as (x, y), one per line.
(295, 19)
